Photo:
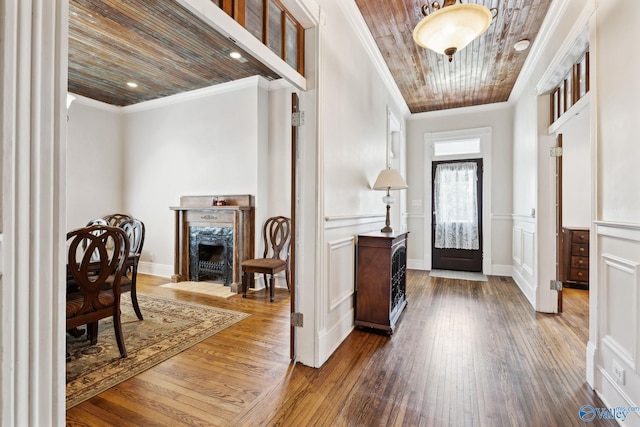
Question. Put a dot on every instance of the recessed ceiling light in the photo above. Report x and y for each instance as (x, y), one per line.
(132, 84)
(235, 55)
(521, 45)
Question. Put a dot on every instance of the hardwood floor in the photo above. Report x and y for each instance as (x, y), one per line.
(464, 354)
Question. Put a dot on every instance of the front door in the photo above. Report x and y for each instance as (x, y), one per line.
(457, 215)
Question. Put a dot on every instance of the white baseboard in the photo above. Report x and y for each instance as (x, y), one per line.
(329, 340)
(501, 270)
(415, 264)
(155, 269)
(614, 397)
(591, 365)
(524, 286)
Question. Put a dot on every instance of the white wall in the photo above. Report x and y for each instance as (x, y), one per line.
(352, 102)
(533, 168)
(190, 145)
(94, 162)
(228, 139)
(498, 118)
(614, 337)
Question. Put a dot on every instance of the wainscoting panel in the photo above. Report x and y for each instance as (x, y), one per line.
(341, 271)
(335, 304)
(517, 245)
(620, 317)
(616, 293)
(528, 252)
(524, 249)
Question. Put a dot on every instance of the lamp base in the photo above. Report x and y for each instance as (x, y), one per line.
(387, 224)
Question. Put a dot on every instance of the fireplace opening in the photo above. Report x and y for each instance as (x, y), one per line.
(211, 261)
(211, 254)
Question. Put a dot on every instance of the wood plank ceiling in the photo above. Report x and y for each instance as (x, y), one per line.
(166, 50)
(157, 44)
(482, 73)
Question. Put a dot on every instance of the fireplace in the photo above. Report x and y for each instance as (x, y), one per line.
(212, 239)
(211, 254)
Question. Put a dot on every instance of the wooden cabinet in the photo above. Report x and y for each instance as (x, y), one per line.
(575, 257)
(381, 269)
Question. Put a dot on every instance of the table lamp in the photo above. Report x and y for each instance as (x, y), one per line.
(389, 179)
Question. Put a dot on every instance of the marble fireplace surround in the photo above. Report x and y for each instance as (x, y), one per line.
(199, 211)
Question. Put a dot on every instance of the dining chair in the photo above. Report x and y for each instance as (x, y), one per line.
(92, 266)
(276, 236)
(71, 285)
(134, 228)
(116, 219)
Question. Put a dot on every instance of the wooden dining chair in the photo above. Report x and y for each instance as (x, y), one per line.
(135, 232)
(276, 236)
(116, 219)
(97, 273)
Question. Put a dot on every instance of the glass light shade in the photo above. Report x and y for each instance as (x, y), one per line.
(452, 27)
(389, 179)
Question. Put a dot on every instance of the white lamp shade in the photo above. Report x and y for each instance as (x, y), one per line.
(452, 26)
(389, 179)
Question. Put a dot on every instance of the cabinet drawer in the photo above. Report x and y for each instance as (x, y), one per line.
(579, 262)
(580, 236)
(579, 274)
(580, 249)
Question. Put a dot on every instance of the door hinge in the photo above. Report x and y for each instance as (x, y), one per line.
(556, 285)
(296, 320)
(555, 152)
(297, 119)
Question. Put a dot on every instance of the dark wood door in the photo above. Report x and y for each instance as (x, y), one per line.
(451, 258)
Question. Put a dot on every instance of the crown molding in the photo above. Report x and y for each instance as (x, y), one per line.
(461, 110)
(353, 15)
(249, 82)
(83, 100)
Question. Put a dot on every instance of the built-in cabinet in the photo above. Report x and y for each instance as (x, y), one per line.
(381, 270)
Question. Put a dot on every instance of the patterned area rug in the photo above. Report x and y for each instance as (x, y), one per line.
(168, 328)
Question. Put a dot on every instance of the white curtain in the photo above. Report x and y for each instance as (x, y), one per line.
(456, 206)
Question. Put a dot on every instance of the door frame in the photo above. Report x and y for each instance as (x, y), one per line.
(485, 136)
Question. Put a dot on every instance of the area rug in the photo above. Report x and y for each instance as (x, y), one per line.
(206, 288)
(168, 328)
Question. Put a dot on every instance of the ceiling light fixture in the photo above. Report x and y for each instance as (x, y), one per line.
(235, 55)
(451, 27)
(132, 84)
